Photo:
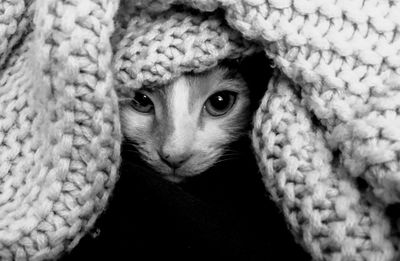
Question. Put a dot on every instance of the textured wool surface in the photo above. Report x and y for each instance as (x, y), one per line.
(328, 122)
(155, 49)
(59, 125)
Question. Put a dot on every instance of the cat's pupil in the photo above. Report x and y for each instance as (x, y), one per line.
(142, 103)
(220, 103)
(142, 99)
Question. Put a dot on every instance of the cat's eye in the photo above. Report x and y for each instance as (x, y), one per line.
(220, 103)
(142, 103)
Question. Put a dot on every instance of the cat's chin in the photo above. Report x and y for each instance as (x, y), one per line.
(174, 178)
(178, 175)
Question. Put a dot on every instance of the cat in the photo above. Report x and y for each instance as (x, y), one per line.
(183, 128)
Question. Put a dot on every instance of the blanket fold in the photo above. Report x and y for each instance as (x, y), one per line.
(59, 126)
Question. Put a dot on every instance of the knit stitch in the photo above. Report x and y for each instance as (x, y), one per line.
(155, 50)
(59, 126)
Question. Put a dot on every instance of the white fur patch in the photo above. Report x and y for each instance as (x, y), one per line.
(178, 140)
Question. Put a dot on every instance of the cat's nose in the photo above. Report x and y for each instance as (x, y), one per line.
(174, 160)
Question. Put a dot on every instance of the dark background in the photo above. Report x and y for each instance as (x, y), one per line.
(222, 214)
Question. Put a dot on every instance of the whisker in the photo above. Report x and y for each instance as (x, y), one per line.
(231, 153)
(225, 160)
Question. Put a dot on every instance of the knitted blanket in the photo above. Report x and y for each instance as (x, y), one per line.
(326, 134)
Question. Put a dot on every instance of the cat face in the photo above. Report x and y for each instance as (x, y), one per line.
(183, 128)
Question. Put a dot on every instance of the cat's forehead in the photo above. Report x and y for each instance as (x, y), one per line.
(199, 85)
(202, 84)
